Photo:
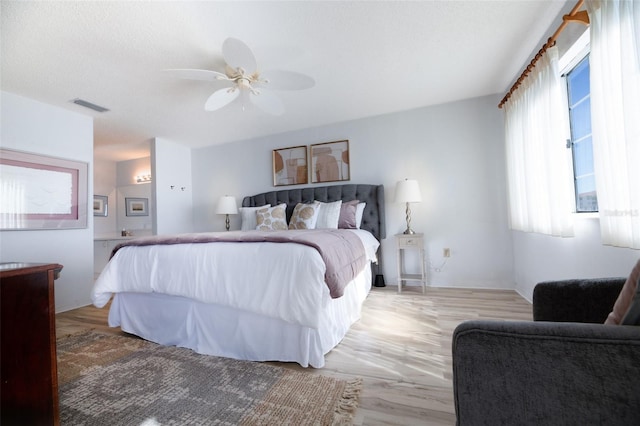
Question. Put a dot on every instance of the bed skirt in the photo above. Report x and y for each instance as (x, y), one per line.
(223, 331)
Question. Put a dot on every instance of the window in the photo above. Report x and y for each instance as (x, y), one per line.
(579, 99)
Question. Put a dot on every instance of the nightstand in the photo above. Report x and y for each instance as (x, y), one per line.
(410, 242)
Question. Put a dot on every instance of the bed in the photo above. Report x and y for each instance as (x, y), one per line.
(259, 296)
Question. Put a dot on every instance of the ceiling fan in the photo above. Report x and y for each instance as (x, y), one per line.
(241, 71)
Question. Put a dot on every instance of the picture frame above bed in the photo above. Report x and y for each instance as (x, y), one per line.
(330, 162)
(290, 166)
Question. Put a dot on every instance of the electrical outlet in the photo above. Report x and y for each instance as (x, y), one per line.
(446, 252)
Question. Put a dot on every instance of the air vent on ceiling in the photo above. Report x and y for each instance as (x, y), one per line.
(87, 104)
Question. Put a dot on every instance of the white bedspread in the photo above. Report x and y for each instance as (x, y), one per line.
(279, 280)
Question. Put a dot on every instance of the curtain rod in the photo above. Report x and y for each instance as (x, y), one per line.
(573, 16)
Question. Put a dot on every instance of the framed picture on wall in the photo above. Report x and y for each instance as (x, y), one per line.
(290, 166)
(100, 205)
(42, 192)
(137, 206)
(330, 162)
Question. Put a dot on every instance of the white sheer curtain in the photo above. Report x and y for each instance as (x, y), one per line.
(539, 176)
(615, 116)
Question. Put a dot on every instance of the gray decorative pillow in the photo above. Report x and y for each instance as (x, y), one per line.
(304, 216)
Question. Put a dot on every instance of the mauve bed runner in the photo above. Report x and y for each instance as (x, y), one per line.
(341, 250)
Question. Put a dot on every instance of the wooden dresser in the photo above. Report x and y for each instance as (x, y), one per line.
(28, 367)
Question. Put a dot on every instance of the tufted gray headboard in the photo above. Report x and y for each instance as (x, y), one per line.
(373, 219)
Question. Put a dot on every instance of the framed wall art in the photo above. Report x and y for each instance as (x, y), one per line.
(290, 166)
(100, 205)
(136, 206)
(330, 162)
(42, 192)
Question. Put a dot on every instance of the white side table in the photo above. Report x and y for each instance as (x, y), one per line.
(410, 242)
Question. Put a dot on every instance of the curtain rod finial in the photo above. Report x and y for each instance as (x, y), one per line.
(581, 17)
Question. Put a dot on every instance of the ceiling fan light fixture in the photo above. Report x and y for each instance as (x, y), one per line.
(244, 83)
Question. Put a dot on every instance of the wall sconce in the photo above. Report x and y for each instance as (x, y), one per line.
(227, 205)
(408, 191)
(143, 178)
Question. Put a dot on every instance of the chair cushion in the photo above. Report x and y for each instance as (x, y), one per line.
(624, 302)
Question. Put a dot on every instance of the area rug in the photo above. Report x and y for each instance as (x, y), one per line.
(107, 379)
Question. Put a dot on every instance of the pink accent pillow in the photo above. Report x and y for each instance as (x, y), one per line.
(348, 215)
(623, 302)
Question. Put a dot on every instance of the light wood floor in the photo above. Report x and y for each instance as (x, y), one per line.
(401, 347)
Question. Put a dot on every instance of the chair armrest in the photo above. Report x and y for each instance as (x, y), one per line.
(587, 300)
(542, 373)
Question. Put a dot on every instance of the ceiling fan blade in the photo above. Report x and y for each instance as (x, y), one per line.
(238, 55)
(287, 80)
(192, 74)
(220, 98)
(268, 102)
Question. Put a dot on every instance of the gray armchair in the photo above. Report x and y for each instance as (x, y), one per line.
(563, 368)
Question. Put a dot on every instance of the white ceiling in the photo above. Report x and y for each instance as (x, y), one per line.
(368, 58)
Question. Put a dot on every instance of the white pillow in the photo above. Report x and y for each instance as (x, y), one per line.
(304, 216)
(359, 213)
(272, 218)
(248, 216)
(329, 215)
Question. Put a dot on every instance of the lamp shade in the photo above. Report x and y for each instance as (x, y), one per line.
(227, 205)
(408, 191)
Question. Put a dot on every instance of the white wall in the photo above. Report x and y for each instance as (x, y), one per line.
(128, 187)
(105, 183)
(35, 127)
(134, 225)
(117, 180)
(456, 153)
(541, 258)
(171, 187)
(126, 171)
(454, 150)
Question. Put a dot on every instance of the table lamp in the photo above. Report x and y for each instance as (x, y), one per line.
(226, 206)
(408, 191)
